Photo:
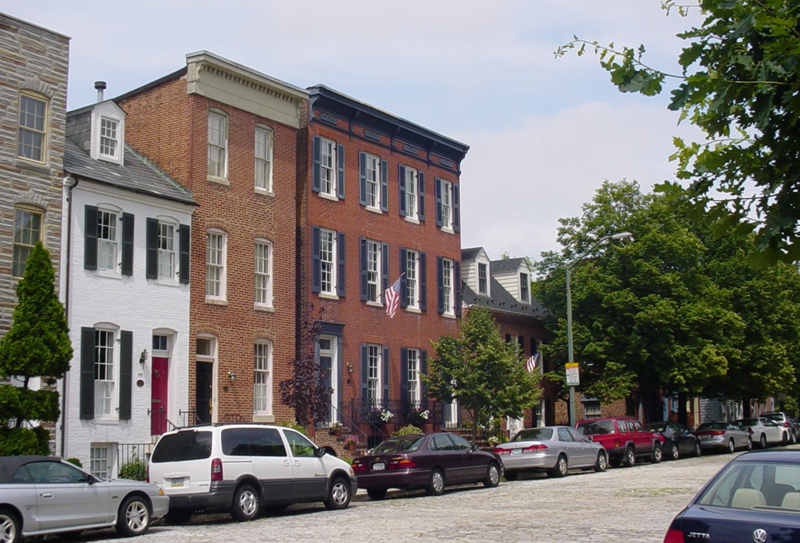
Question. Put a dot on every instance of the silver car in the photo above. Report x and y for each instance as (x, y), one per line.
(723, 436)
(46, 495)
(554, 449)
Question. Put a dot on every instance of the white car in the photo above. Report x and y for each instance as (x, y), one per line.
(46, 495)
(764, 431)
(241, 468)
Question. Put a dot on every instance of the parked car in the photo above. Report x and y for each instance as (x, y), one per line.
(783, 419)
(42, 495)
(723, 436)
(241, 467)
(763, 431)
(429, 461)
(624, 438)
(554, 449)
(678, 440)
(755, 497)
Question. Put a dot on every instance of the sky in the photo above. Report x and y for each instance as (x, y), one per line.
(544, 132)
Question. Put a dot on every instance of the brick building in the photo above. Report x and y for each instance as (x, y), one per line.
(379, 207)
(229, 134)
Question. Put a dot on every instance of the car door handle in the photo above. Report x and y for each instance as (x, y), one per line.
(297, 463)
(286, 463)
(46, 494)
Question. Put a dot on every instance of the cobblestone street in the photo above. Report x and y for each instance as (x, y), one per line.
(620, 505)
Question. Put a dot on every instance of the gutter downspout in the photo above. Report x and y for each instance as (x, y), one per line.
(70, 182)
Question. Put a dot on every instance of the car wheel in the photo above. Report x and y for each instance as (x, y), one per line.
(245, 503)
(629, 457)
(436, 484)
(657, 455)
(602, 462)
(339, 494)
(561, 468)
(10, 527)
(376, 493)
(133, 517)
(785, 438)
(731, 446)
(673, 453)
(762, 442)
(492, 478)
(511, 475)
(698, 450)
(178, 517)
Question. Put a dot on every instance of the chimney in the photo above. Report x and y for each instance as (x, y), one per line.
(100, 86)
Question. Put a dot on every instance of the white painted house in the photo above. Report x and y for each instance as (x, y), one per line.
(125, 286)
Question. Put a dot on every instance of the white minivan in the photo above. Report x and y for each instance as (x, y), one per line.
(241, 468)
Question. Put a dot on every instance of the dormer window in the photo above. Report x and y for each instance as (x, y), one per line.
(108, 132)
(483, 278)
(109, 145)
(524, 288)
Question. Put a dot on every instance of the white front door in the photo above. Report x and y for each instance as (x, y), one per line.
(329, 363)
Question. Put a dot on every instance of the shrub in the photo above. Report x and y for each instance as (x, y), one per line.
(407, 430)
(134, 469)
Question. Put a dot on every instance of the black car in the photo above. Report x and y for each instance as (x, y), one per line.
(755, 497)
(678, 439)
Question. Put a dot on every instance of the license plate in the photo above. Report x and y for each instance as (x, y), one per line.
(378, 466)
(177, 482)
(516, 451)
(705, 438)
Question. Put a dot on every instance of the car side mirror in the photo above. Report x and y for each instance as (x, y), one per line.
(589, 438)
(322, 451)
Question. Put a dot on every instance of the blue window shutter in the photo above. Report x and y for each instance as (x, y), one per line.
(340, 282)
(364, 352)
(403, 272)
(87, 374)
(401, 182)
(90, 241)
(439, 285)
(457, 287)
(316, 271)
(406, 403)
(384, 267)
(437, 185)
(384, 186)
(423, 283)
(423, 369)
(456, 214)
(151, 265)
(125, 374)
(386, 387)
(127, 244)
(362, 178)
(184, 262)
(362, 259)
(317, 166)
(340, 171)
(421, 195)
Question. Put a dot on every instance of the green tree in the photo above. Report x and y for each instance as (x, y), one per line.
(482, 371)
(740, 84)
(36, 345)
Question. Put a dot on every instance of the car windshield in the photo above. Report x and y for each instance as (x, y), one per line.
(399, 444)
(533, 434)
(756, 485)
(594, 427)
(713, 426)
(747, 422)
(774, 416)
(182, 446)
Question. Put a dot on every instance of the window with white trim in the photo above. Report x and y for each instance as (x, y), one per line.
(373, 183)
(447, 204)
(373, 271)
(215, 265)
(327, 167)
(217, 145)
(448, 287)
(263, 273)
(27, 231)
(107, 240)
(412, 279)
(327, 261)
(263, 159)
(32, 128)
(373, 365)
(412, 211)
(104, 374)
(262, 378)
(101, 461)
(414, 386)
(109, 138)
(524, 287)
(483, 278)
(167, 255)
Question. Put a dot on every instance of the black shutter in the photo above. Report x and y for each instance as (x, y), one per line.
(340, 170)
(317, 167)
(423, 283)
(456, 213)
(127, 244)
(185, 242)
(340, 282)
(386, 388)
(362, 258)
(90, 241)
(364, 354)
(362, 179)
(384, 186)
(423, 369)
(151, 266)
(87, 374)
(401, 182)
(439, 285)
(421, 195)
(404, 400)
(403, 275)
(384, 267)
(437, 185)
(457, 288)
(125, 374)
(316, 271)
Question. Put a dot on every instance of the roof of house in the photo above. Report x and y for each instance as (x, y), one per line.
(502, 300)
(471, 253)
(506, 265)
(136, 174)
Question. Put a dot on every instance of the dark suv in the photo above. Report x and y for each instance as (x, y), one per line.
(624, 438)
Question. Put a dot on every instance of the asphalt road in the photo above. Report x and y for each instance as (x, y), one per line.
(619, 505)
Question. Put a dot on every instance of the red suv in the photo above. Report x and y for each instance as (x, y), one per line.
(624, 438)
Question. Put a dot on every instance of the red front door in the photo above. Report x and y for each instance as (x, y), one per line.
(158, 395)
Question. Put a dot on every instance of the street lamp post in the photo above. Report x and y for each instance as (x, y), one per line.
(622, 237)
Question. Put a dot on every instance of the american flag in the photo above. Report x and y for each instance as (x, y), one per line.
(533, 361)
(391, 298)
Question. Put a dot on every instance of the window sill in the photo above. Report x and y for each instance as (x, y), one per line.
(216, 301)
(374, 210)
(447, 230)
(167, 282)
(449, 315)
(265, 192)
(264, 308)
(328, 296)
(326, 196)
(108, 274)
(262, 417)
(413, 310)
(219, 180)
(26, 164)
(374, 304)
(412, 220)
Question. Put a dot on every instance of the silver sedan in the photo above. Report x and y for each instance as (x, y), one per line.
(723, 436)
(46, 495)
(554, 449)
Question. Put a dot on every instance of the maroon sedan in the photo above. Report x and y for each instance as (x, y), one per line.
(430, 461)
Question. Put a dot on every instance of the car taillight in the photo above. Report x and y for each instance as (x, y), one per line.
(785, 424)
(534, 448)
(216, 469)
(401, 463)
(750, 430)
(359, 467)
(674, 536)
(501, 451)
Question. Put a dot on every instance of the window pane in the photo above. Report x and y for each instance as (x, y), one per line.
(31, 128)
(27, 231)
